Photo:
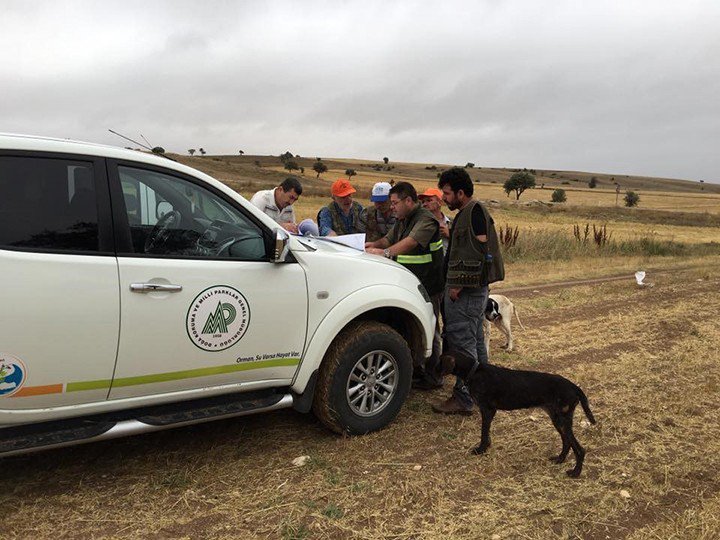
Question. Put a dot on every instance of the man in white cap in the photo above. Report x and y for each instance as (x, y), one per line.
(380, 217)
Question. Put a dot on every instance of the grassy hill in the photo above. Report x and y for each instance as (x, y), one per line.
(245, 171)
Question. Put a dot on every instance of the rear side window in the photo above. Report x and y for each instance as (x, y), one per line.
(48, 204)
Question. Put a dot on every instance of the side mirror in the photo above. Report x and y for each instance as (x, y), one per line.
(282, 245)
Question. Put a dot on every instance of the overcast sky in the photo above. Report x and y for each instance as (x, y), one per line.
(621, 86)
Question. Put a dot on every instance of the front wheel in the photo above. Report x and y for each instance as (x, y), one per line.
(364, 379)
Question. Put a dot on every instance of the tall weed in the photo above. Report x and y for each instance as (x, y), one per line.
(542, 245)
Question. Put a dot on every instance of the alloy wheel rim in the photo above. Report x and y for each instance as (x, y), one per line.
(372, 383)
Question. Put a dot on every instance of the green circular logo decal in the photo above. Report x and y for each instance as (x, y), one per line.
(218, 318)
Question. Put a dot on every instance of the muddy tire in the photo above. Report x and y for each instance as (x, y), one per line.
(364, 379)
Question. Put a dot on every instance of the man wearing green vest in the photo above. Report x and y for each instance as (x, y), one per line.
(414, 241)
(473, 261)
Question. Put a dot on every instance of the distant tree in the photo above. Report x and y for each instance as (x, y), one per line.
(593, 182)
(291, 165)
(350, 173)
(257, 163)
(558, 196)
(202, 151)
(297, 156)
(319, 167)
(318, 159)
(469, 165)
(385, 159)
(158, 150)
(302, 170)
(191, 151)
(519, 182)
(241, 152)
(287, 155)
(632, 199)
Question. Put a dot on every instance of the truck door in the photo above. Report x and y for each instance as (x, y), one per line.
(202, 304)
(59, 287)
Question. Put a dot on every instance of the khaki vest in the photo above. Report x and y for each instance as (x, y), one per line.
(337, 223)
(472, 263)
(375, 230)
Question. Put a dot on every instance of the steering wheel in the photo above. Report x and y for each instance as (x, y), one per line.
(160, 231)
(212, 242)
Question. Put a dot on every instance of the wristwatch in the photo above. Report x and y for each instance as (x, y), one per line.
(386, 253)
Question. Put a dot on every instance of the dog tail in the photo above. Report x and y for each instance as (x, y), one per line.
(585, 405)
(518, 318)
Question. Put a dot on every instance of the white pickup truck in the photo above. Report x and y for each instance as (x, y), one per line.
(139, 294)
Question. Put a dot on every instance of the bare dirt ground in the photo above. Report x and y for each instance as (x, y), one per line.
(647, 358)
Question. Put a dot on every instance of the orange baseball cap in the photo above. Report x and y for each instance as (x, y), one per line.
(432, 192)
(342, 188)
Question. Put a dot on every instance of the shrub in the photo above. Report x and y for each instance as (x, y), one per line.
(559, 196)
(350, 173)
(469, 165)
(565, 183)
(593, 182)
(291, 165)
(519, 182)
(631, 199)
(319, 167)
(385, 159)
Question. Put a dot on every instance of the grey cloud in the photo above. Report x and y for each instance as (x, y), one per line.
(617, 86)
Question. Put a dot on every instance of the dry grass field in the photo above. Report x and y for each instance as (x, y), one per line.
(648, 359)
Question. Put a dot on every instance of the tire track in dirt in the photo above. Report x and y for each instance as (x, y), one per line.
(578, 282)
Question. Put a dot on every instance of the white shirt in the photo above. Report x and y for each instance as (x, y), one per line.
(265, 201)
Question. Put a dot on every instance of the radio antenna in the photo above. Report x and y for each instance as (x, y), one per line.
(161, 152)
(129, 139)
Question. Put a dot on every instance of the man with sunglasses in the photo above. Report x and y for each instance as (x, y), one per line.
(414, 241)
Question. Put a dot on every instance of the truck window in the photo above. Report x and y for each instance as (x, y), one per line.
(172, 217)
(47, 205)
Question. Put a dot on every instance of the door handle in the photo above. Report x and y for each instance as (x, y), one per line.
(154, 287)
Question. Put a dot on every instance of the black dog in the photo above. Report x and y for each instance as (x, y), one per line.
(496, 388)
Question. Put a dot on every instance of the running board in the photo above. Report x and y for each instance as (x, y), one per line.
(27, 439)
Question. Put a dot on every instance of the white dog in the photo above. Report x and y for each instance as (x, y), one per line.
(499, 310)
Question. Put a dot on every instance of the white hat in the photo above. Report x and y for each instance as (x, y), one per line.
(380, 192)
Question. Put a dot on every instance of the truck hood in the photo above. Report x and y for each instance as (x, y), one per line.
(325, 246)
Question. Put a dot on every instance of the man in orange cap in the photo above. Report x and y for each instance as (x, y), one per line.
(431, 199)
(342, 215)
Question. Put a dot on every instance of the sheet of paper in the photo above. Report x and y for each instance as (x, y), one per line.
(355, 241)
